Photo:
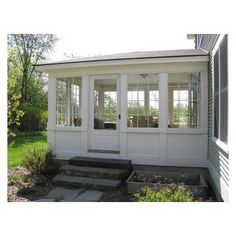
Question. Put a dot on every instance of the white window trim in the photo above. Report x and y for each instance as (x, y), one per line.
(137, 129)
(67, 127)
(203, 108)
(224, 147)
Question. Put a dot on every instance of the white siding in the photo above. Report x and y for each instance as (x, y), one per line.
(218, 158)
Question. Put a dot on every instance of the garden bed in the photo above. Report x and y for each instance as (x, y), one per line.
(24, 187)
(156, 180)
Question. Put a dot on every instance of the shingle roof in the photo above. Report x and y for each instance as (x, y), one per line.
(134, 55)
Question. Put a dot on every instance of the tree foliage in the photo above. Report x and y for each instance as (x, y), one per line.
(31, 49)
(14, 113)
(27, 87)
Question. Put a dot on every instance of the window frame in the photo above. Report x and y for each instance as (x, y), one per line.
(79, 96)
(157, 85)
(199, 100)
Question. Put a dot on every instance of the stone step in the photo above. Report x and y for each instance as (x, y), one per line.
(95, 172)
(101, 162)
(77, 181)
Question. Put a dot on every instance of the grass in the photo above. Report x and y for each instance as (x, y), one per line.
(20, 144)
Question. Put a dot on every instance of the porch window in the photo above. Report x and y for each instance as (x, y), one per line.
(184, 100)
(143, 101)
(68, 102)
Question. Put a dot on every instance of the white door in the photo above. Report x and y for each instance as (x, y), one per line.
(104, 122)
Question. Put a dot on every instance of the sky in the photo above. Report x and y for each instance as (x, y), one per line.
(104, 43)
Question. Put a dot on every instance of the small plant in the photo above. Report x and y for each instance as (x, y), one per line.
(165, 194)
(26, 190)
(14, 179)
(39, 161)
(39, 180)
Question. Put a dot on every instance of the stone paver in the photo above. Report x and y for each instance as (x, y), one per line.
(89, 196)
(60, 194)
(45, 200)
(64, 194)
(108, 183)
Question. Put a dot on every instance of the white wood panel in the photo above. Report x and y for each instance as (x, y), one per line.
(68, 144)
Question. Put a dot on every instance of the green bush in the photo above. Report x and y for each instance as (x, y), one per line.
(39, 161)
(165, 194)
(14, 179)
(34, 118)
(26, 190)
(43, 120)
(39, 180)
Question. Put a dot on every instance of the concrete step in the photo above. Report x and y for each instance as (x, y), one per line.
(77, 181)
(95, 172)
(101, 162)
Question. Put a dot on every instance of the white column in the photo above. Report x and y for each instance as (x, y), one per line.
(84, 102)
(123, 113)
(123, 102)
(51, 103)
(163, 101)
(51, 113)
(163, 117)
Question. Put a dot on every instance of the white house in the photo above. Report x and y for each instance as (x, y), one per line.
(218, 150)
(147, 107)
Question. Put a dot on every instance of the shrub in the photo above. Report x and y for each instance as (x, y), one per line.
(26, 190)
(39, 180)
(165, 194)
(14, 179)
(39, 161)
(43, 120)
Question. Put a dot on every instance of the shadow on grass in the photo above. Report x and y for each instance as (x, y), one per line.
(19, 141)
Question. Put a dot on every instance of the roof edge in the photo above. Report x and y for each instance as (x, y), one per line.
(117, 59)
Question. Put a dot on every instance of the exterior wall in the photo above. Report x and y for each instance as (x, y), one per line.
(149, 146)
(218, 162)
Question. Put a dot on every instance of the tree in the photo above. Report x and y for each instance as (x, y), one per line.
(14, 113)
(30, 85)
(181, 112)
(31, 49)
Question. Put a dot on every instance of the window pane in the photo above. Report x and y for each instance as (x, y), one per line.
(184, 100)
(105, 104)
(68, 102)
(143, 101)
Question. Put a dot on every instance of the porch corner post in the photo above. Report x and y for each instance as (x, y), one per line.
(85, 101)
(123, 113)
(51, 103)
(163, 116)
(51, 126)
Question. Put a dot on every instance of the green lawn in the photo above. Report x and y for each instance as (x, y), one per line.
(20, 144)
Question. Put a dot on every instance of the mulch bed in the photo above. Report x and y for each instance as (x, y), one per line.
(26, 187)
(118, 195)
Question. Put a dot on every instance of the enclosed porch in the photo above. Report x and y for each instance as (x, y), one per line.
(150, 111)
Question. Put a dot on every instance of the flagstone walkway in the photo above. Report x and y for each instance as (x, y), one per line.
(60, 194)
